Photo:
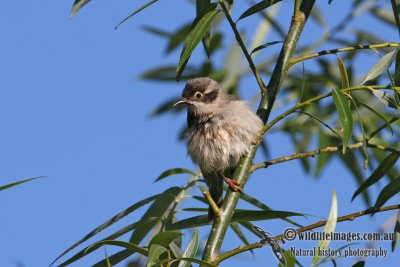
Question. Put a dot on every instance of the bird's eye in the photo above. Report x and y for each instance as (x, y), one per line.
(198, 95)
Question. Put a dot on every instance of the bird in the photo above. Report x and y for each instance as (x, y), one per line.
(221, 128)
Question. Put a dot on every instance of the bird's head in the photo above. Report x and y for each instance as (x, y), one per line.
(202, 96)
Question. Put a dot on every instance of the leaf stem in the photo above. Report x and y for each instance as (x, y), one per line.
(349, 217)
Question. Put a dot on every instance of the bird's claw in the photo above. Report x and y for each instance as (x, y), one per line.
(234, 185)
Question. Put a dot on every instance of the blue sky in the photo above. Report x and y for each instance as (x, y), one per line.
(74, 109)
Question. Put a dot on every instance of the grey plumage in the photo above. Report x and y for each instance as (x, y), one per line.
(221, 129)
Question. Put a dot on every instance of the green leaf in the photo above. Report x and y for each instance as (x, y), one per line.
(257, 8)
(130, 246)
(365, 105)
(343, 73)
(78, 4)
(108, 223)
(201, 262)
(388, 191)
(289, 258)
(191, 250)
(329, 227)
(195, 36)
(135, 12)
(238, 216)
(379, 172)
(385, 98)
(85, 251)
(238, 231)
(396, 13)
(155, 252)
(107, 259)
(114, 259)
(322, 158)
(258, 48)
(381, 66)
(173, 172)
(3, 187)
(345, 116)
(359, 264)
(157, 209)
(165, 238)
(396, 236)
(364, 137)
(201, 8)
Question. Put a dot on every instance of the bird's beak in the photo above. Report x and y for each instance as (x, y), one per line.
(181, 102)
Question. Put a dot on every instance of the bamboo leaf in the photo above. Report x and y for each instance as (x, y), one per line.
(258, 48)
(129, 246)
(396, 236)
(136, 11)
(173, 172)
(343, 73)
(238, 231)
(195, 36)
(78, 4)
(157, 209)
(191, 250)
(107, 223)
(85, 251)
(379, 172)
(3, 187)
(345, 116)
(238, 216)
(257, 8)
(201, 262)
(388, 191)
(329, 227)
(381, 66)
(376, 113)
(155, 252)
(165, 238)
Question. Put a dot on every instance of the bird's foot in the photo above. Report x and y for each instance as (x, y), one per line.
(233, 184)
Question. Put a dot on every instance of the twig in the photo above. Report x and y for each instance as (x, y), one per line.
(212, 203)
(296, 60)
(244, 49)
(349, 217)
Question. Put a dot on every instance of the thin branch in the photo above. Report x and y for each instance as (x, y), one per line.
(344, 49)
(316, 152)
(317, 98)
(212, 203)
(244, 49)
(349, 217)
(221, 223)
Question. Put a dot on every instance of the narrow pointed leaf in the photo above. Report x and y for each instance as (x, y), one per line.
(238, 216)
(173, 172)
(382, 169)
(396, 13)
(343, 73)
(388, 191)
(115, 258)
(155, 252)
(195, 36)
(396, 233)
(238, 231)
(345, 116)
(329, 226)
(135, 12)
(85, 251)
(381, 66)
(78, 4)
(385, 98)
(3, 187)
(365, 105)
(157, 209)
(201, 262)
(257, 8)
(323, 158)
(108, 223)
(165, 238)
(129, 246)
(364, 137)
(258, 48)
(191, 250)
(201, 7)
